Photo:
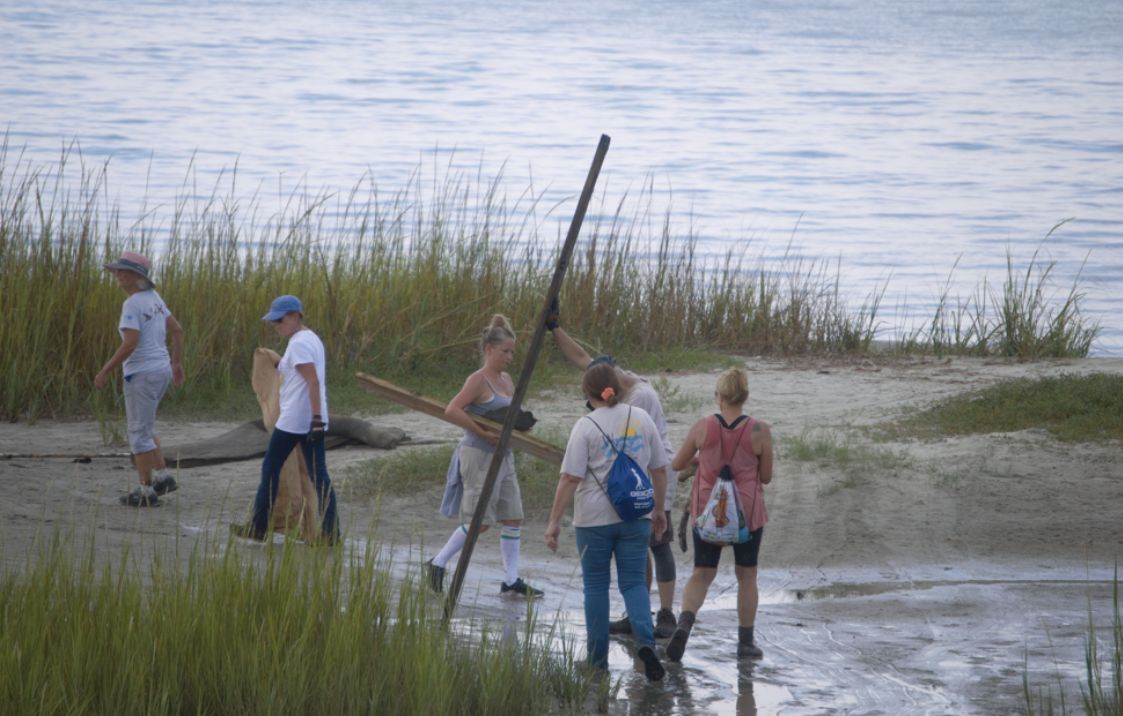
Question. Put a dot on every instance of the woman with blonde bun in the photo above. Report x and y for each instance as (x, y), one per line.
(487, 389)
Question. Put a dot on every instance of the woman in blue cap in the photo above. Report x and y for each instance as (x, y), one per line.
(302, 420)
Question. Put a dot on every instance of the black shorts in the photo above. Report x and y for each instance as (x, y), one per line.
(744, 554)
(664, 538)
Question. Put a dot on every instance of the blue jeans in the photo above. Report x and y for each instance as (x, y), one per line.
(281, 444)
(627, 541)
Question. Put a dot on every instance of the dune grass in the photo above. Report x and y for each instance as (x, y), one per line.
(1022, 320)
(1072, 408)
(293, 631)
(399, 285)
(1101, 693)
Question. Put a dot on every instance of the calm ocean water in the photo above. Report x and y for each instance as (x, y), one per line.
(895, 137)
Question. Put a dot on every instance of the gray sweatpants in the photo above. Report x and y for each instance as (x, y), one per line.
(143, 392)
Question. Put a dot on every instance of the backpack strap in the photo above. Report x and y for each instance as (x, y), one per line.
(610, 445)
(607, 439)
(722, 431)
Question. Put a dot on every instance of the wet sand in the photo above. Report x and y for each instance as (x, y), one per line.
(923, 583)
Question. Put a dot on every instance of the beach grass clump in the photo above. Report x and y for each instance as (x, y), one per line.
(1101, 692)
(295, 631)
(1071, 407)
(1023, 320)
(396, 284)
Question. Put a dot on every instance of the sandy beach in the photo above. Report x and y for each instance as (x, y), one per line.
(921, 578)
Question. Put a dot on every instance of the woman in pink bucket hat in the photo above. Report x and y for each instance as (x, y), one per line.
(144, 326)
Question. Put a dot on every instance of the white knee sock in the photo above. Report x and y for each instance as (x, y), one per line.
(509, 538)
(455, 542)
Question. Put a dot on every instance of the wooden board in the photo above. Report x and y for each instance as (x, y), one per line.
(429, 406)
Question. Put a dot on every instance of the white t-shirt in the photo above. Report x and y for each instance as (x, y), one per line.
(296, 411)
(587, 450)
(145, 312)
(642, 395)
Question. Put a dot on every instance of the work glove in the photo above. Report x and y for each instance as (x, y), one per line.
(683, 526)
(316, 432)
(553, 314)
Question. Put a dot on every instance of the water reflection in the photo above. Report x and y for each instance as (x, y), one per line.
(746, 699)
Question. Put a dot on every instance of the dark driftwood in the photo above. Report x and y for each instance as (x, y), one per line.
(249, 440)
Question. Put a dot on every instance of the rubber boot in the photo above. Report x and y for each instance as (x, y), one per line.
(677, 645)
(746, 649)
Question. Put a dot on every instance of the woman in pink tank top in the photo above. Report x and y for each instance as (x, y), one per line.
(732, 438)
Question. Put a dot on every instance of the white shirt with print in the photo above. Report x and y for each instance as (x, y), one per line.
(146, 313)
(587, 450)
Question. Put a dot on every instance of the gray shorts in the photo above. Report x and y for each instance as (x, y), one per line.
(506, 501)
(143, 392)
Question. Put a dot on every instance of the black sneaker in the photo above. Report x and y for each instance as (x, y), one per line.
(521, 588)
(248, 531)
(665, 624)
(435, 576)
(141, 496)
(620, 626)
(749, 651)
(652, 669)
(677, 645)
(164, 484)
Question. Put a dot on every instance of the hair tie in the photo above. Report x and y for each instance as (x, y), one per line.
(607, 393)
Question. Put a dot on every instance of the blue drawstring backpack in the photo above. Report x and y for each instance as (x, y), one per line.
(628, 487)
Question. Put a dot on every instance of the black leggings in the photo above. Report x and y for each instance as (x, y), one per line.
(664, 563)
(744, 554)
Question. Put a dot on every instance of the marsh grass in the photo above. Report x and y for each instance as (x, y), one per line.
(1101, 693)
(294, 631)
(1072, 408)
(396, 284)
(1024, 319)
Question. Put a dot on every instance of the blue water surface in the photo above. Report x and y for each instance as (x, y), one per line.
(897, 138)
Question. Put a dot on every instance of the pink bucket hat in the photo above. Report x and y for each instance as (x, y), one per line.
(132, 261)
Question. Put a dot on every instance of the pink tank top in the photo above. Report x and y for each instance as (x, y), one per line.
(733, 447)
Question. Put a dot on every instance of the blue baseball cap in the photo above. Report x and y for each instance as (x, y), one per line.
(601, 359)
(282, 305)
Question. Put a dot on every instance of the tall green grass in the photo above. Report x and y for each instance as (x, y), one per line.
(295, 631)
(1022, 320)
(398, 284)
(1101, 693)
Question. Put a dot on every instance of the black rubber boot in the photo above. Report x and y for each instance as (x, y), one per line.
(677, 645)
(746, 649)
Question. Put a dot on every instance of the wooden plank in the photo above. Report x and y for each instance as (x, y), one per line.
(429, 406)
